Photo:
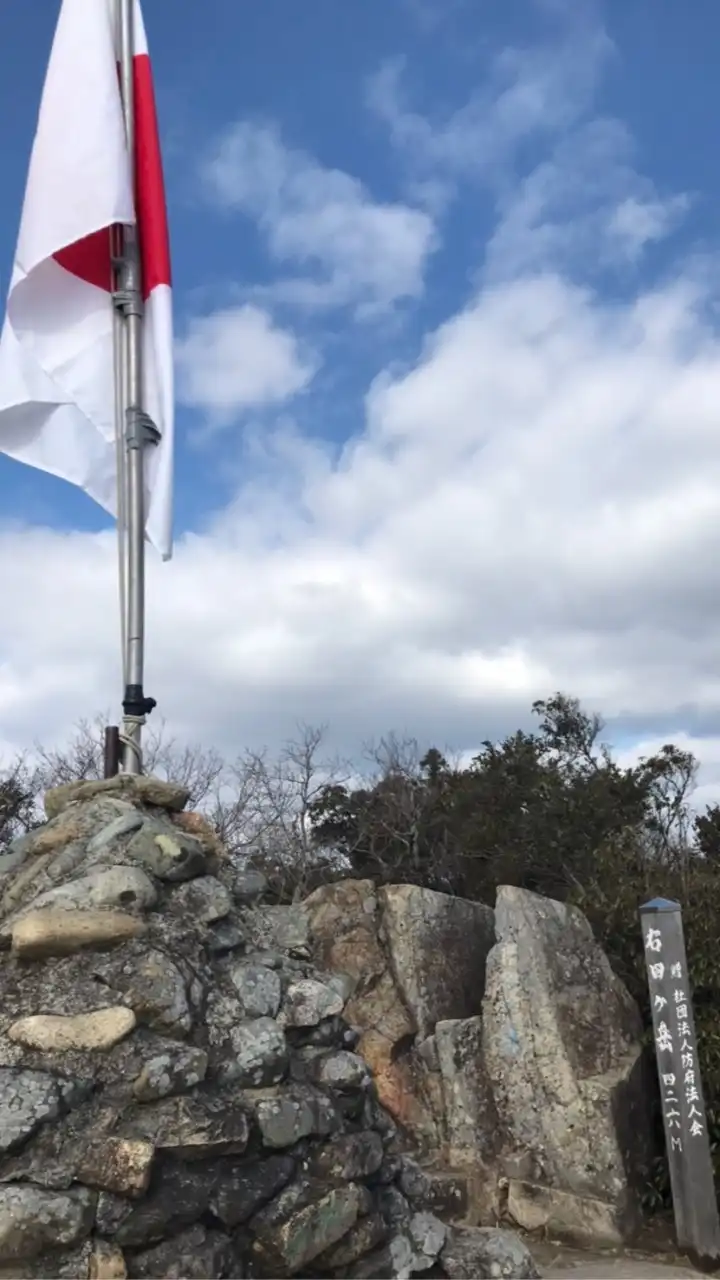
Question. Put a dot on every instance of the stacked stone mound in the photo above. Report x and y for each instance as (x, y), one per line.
(180, 1093)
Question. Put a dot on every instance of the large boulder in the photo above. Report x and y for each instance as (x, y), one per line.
(438, 947)
(562, 1049)
(415, 957)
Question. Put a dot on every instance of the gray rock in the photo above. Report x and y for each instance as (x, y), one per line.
(29, 1099)
(245, 1188)
(121, 826)
(428, 1235)
(192, 1127)
(166, 852)
(151, 985)
(283, 929)
(308, 1002)
(127, 888)
(471, 1120)
(298, 1112)
(394, 1206)
(176, 1071)
(393, 1261)
(17, 854)
(562, 1045)
(203, 900)
(482, 1253)
(438, 947)
(260, 1053)
(223, 937)
(180, 1194)
(343, 1071)
(428, 1051)
(32, 1220)
(413, 1250)
(249, 885)
(367, 1234)
(259, 990)
(350, 1157)
(441, 1191)
(193, 1255)
(310, 1229)
(111, 1212)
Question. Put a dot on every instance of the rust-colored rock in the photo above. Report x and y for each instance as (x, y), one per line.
(196, 824)
(119, 1165)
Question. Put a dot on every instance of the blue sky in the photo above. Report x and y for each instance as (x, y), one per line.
(446, 304)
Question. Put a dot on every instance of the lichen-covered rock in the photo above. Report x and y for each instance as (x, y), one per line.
(126, 888)
(366, 1235)
(342, 1070)
(177, 1070)
(280, 929)
(350, 1157)
(471, 1123)
(308, 1002)
(259, 990)
(152, 985)
(29, 1099)
(260, 1053)
(283, 1118)
(169, 856)
(480, 1253)
(204, 900)
(310, 1228)
(249, 885)
(32, 1220)
(142, 790)
(562, 1044)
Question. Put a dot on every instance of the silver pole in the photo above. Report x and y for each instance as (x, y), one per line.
(139, 431)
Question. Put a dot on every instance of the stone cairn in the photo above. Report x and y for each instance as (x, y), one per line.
(180, 1096)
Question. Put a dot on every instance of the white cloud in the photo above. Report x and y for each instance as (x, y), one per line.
(586, 207)
(350, 248)
(526, 94)
(235, 359)
(532, 505)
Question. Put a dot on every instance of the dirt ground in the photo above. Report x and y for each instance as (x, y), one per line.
(559, 1262)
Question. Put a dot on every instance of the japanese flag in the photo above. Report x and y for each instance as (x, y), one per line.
(56, 349)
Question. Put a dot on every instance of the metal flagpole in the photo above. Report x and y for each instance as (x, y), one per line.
(139, 431)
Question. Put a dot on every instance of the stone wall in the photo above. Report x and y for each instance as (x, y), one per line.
(186, 1077)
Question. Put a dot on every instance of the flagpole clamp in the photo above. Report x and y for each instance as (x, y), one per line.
(137, 704)
(140, 428)
(128, 302)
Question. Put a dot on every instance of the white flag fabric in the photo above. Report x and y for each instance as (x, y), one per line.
(56, 350)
